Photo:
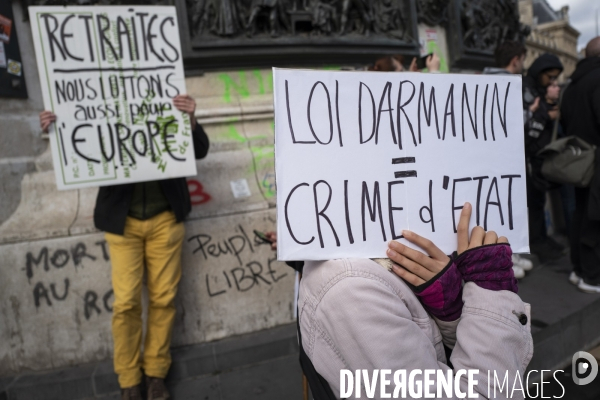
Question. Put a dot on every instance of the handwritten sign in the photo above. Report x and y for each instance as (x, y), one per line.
(360, 156)
(109, 74)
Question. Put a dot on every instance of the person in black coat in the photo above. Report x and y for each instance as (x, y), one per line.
(144, 230)
(539, 122)
(580, 113)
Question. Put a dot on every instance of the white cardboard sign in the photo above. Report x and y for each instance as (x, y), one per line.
(109, 74)
(360, 156)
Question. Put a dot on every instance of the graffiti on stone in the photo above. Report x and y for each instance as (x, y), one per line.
(197, 194)
(48, 290)
(243, 265)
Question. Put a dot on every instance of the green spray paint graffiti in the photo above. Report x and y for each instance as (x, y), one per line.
(160, 145)
(233, 134)
(264, 160)
(263, 157)
(241, 87)
(432, 47)
(259, 79)
(230, 84)
(268, 184)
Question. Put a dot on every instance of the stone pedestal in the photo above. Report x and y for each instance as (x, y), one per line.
(55, 287)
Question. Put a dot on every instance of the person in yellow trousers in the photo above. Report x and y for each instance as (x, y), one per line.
(144, 230)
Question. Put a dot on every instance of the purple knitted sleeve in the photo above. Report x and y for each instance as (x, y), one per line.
(441, 296)
(488, 266)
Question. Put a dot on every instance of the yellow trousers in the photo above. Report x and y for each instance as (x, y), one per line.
(156, 244)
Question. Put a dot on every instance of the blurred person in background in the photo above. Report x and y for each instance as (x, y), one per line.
(509, 57)
(553, 93)
(539, 123)
(395, 63)
(566, 192)
(581, 117)
(388, 64)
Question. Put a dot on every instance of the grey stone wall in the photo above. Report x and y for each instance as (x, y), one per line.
(55, 290)
(20, 136)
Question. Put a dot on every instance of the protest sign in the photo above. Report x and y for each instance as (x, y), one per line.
(361, 156)
(109, 74)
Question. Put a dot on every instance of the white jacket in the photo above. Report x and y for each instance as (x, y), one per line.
(354, 314)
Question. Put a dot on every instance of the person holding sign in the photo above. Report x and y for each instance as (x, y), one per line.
(144, 230)
(356, 318)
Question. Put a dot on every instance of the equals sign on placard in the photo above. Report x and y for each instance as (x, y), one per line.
(404, 174)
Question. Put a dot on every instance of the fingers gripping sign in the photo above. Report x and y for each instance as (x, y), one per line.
(463, 229)
(272, 236)
(412, 265)
(490, 266)
(418, 268)
(435, 275)
(185, 103)
(479, 236)
(46, 119)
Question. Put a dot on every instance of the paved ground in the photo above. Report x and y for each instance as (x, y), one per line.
(564, 320)
(264, 365)
(261, 365)
(548, 288)
(566, 389)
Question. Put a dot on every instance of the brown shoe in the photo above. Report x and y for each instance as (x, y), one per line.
(132, 393)
(156, 389)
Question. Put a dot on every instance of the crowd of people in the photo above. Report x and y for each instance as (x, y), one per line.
(422, 310)
(549, 114)
(544, 114)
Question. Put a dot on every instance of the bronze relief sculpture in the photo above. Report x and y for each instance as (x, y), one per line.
(284, 18)
(237, 33)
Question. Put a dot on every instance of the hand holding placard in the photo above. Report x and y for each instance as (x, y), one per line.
(186, 104)
(46, 118)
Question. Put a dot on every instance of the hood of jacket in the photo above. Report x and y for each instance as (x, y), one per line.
(543, 63)
(584, 67)
(495, 71)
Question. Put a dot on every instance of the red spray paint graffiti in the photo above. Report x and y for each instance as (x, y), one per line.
(197, 194)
